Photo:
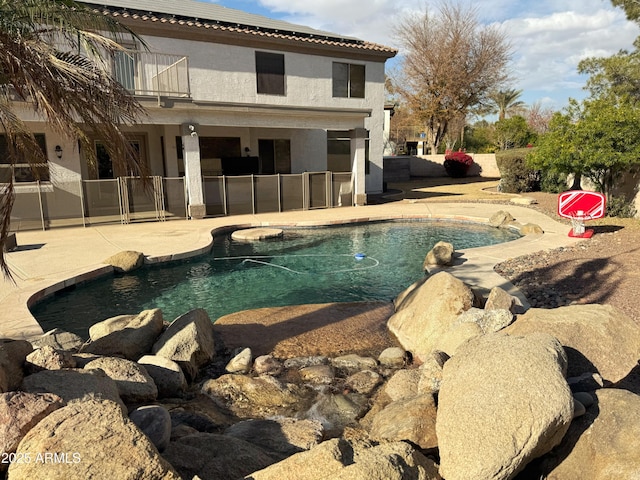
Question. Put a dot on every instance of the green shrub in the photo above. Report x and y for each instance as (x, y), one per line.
(553, 182)
(515, 176)
(620, 207)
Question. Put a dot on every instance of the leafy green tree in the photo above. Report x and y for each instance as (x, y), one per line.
(616, 75)
(51, 61)
(631, 8)
(512, 133)
(479, 137)
(596, 139)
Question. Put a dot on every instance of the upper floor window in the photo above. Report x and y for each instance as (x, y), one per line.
(348, 80)
(22, 170)
(270, 73)
(124, 69)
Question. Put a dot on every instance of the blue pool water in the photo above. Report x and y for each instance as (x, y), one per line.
(372, 261)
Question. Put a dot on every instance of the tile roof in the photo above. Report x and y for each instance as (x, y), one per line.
(210, 16)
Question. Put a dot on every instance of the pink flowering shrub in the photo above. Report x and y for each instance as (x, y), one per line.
(457, 164)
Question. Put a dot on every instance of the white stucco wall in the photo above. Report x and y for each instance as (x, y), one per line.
(226, 103)
(226, 74)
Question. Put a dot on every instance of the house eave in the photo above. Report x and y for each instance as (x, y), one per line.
(250, 36)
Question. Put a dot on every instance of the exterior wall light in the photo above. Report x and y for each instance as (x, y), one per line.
(58, 151)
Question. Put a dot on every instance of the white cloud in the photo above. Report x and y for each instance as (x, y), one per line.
(548, 48)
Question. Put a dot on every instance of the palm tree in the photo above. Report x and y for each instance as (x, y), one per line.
(505, 103)
(52, 60)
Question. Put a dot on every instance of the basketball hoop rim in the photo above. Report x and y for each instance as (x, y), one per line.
(580, 218)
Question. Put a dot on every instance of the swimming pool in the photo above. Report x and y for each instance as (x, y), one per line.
(305, 265)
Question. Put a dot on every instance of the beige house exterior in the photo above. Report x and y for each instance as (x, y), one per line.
(229, 93)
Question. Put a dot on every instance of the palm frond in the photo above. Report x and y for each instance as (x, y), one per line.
(52, 57)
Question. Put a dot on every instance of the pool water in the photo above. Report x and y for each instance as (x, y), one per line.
(369, 261)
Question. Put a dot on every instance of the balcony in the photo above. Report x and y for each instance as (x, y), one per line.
(152, 74)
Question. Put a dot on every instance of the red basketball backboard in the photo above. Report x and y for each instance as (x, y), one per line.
(581, 204)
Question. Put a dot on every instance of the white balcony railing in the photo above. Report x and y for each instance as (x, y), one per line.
(152, 74)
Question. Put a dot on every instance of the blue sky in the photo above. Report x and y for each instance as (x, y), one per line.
(549, 37)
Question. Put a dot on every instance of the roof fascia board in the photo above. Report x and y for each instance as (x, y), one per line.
(186, 32)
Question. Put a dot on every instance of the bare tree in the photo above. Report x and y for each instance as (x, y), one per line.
(451, 63)
(538, 117)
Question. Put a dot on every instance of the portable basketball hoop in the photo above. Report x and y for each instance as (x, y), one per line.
(577, 225)
(580, 206)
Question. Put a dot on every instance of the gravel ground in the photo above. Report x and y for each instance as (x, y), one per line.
(603, 269)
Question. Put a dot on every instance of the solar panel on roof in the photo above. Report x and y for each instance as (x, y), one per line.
(212, 12)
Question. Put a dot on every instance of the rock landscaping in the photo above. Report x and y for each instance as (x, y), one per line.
(466, 389)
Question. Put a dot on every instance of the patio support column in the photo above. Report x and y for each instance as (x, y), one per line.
(358, 143)
(192, 172)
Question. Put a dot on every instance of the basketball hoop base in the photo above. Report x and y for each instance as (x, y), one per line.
(588, 233)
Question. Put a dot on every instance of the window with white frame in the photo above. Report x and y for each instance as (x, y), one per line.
(348, 80)
(22, 170)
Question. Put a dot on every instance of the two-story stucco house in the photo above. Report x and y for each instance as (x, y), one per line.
(232, 94)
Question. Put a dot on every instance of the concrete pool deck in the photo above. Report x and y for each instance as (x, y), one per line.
(48, 261)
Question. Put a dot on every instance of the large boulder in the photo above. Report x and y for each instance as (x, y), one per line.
(597, 338)
(214, 456)
(602, 444)
(500, 219)
(48, 358)
(21, 411)
(188, 341)
(440, 255)
(129, 336)
(92, 439)
(402, 385)
(155, 423)
(393, 357)
(489, 320)
(58, 339)
(12, 357)
(339, 459)
(167, 375)
(390, 461)
(503, 401)
(134, 384)
(241, 363)
(427, 313)
(500, 299)
(74, 385)
(125, 261)
(412, 420)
